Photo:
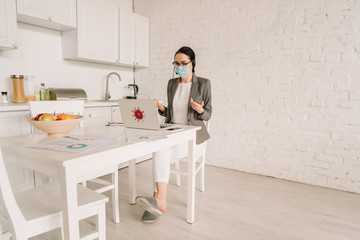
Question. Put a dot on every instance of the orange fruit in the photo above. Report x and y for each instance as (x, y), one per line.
(67, 117)
(58, 117)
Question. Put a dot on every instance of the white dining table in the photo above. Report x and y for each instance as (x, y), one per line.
(73, 168)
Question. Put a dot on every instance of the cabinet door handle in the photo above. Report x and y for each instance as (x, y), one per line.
(15, 45)
(50, 19)
(90, 115)
(28, 115)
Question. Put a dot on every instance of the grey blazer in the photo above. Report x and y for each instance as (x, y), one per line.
(200, 90)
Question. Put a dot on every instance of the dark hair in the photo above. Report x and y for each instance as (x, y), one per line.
(188, 52)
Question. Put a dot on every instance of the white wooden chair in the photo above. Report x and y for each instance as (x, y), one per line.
(199, 168)
(77, 107)
(4, 235)
(38, 210)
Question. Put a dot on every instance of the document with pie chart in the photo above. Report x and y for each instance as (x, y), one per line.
(72, 144)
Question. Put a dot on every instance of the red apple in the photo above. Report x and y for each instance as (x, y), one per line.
(37, 116)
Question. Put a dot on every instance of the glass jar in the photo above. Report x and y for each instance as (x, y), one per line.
(29, 88)
(18, 88)
(4, 97)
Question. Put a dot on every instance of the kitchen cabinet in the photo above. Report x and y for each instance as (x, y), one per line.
(114, 44)
(115, 114)
(141, 41)
(54, 14)
(134, 39)
(7, 25)
(96, 38)
(97, 115)
(12, 124)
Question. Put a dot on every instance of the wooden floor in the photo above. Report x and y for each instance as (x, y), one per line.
(238, 205)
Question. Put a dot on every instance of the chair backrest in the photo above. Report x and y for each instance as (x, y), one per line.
(57, 107)
(203, 152)
(13, 213)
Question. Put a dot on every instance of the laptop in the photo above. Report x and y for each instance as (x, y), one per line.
(140, 113)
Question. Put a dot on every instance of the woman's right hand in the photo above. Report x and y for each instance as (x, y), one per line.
(159, 105)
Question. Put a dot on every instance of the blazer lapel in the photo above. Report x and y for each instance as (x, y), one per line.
(173, 90)
(194, 87)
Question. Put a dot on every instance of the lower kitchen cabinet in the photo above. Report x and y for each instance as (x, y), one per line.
(12, 124)
(115, 114)
(97, 115)
(101, 115)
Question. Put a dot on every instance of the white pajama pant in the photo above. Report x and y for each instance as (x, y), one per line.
(162, 160)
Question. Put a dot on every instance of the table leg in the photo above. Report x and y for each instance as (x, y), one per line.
(191, 183)
(115, 194)
(132, 181)
(69, 201)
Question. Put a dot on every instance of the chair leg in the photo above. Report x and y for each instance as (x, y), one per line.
(62, 233)
(202, 173)
(178, 176)
(44, 178)
(115, 195)
(132, 181)
(4, 235)
(101, 222)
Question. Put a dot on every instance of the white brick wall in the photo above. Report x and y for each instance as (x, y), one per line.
(285, 78)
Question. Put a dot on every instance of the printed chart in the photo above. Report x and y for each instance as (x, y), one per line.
(72, 144)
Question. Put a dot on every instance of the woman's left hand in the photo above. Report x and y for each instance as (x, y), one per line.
(198, 107)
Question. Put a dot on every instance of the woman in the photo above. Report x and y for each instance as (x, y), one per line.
(189, 103)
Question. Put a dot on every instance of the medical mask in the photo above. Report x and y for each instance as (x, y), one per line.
(182, 71)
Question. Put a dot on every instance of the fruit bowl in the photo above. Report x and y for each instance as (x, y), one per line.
(58, 127)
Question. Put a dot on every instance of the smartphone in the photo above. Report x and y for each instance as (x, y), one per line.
(174, 129)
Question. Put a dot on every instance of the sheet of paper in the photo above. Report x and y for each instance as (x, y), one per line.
(72, 144)
(139, 135)
(122, 138)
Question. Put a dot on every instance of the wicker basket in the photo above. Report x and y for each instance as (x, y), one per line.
(58, 127)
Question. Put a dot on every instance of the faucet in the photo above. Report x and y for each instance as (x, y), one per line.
(107, 92)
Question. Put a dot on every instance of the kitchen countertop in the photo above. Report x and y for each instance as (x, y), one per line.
(9, 107)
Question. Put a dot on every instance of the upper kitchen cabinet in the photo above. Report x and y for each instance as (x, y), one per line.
(141, 40)
(134, 39)
(107, 34)
(7, 25)
(54, 14)
(96, 38)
